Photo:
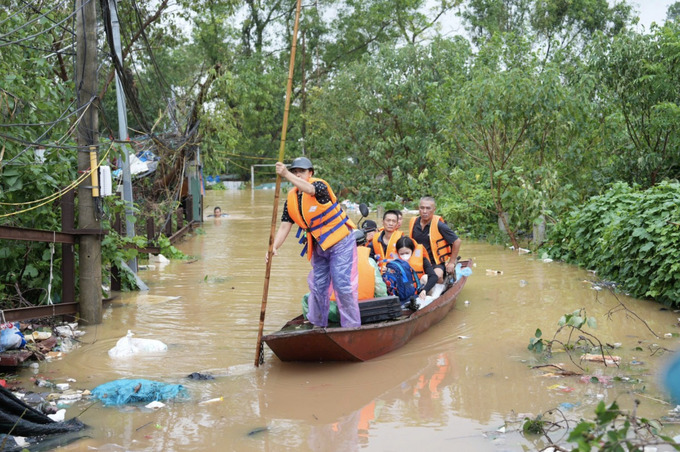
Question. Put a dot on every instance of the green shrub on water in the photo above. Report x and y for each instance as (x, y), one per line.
(628, 236)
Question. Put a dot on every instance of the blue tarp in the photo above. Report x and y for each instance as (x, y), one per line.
(121, 392)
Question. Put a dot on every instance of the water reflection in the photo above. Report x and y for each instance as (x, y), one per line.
(452, 387)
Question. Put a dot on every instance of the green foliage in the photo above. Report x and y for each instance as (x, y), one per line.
(469, 207)
(536, 342)
(613, 430)
(118, 248)
(534, 426)
(577, 320)
(629, 236)
(377, 126)
(639, 73)
(168, 250)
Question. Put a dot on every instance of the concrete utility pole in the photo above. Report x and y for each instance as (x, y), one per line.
(123, 132)
(90, 264)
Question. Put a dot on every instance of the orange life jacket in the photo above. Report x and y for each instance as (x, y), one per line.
(381, 255)
(366, 275)
(416, 260)
(327, 223)
(438, 245)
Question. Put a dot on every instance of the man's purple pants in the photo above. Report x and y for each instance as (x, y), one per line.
(339, 265)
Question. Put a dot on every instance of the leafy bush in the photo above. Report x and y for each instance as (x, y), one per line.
(469, 210)
(629, 236)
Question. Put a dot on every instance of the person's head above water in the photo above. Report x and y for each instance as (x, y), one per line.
(217, 212)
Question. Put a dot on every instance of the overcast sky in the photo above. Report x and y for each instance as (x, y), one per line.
(648, 10)
(652, 11)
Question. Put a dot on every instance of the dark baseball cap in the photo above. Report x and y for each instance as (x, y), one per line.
(369, 226)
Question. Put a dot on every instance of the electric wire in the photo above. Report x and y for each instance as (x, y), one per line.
(61, 192)
(8, 43)
(43, 15)
(152, 57)
(14, 14)
(31, 145)
(40, 124)
(47, 50)
(65, 29)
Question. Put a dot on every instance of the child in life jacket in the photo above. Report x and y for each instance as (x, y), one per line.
(416, 256)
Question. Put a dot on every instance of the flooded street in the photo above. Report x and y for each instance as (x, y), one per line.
(452, 387)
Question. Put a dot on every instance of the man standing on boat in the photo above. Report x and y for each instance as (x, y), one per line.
(441, 243)
(329, 243)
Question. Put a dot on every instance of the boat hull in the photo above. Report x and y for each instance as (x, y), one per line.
(297, 342)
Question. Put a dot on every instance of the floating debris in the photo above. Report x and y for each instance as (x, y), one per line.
(608, 359)
(258, 430)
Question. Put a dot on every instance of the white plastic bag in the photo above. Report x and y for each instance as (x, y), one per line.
(128, 346)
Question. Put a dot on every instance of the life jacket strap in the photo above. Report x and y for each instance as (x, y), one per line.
(322, 238)
(325, 212)
(326, 221)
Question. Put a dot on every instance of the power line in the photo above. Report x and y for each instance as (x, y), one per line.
(30, 145)
(14, 14)
(61, 192)
(8, 43)
(32, 21)
(67, 30)
(61, 118)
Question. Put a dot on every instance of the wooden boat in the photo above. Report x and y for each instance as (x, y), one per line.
(299, 341)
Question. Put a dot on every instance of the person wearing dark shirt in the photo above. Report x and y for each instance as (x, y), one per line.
(329, 243)
(383, 244)
(441, 243)
(369, 227)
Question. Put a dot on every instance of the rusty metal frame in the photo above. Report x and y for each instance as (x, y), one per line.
(36, 312)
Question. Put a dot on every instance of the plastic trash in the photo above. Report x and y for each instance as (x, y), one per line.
(215, 400)
(38, 336)
(59, 416)
(460, 271)
(11, 338)
(200, 376)
(121, 392)
(128, 346)
(608, 360)
(155, 405)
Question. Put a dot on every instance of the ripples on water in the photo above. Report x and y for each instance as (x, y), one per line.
(451, 387)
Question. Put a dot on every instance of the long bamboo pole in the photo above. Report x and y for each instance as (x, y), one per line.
(259, 356)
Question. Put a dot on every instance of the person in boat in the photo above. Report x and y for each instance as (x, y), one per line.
(371, 284)
(441, 243)
(400, 218)
(329, 244)
(416, 256)
(383, 245)
(369, 227)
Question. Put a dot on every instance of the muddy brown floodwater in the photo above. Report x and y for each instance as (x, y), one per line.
(451, 388)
